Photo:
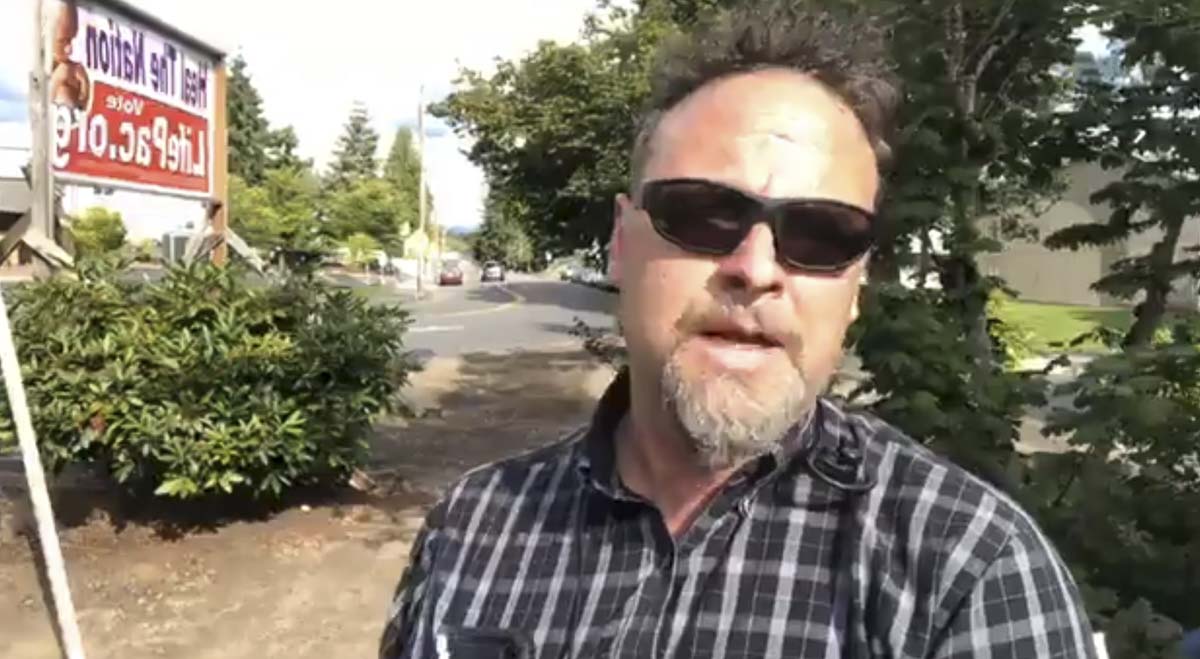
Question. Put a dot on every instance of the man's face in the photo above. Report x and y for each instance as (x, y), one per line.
(740, 345)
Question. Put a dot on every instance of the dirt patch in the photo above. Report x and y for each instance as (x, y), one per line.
(310, 579)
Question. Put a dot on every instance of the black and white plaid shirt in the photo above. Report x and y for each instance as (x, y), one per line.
(547, 555)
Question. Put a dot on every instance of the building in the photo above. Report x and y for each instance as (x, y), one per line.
(1039, 274)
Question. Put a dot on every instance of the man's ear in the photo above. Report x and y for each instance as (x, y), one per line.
(622, 207)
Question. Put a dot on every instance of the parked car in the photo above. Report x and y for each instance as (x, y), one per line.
(450, 275)
(492, 271)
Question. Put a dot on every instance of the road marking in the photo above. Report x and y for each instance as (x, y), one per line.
(435, 328)
(517, 299)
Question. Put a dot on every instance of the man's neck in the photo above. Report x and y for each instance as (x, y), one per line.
(656, 461)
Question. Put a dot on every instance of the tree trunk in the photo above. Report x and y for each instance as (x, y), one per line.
(960, 279)
(884, 267)
(1149, 314)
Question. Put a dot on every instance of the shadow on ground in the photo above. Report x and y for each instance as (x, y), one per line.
(473, 409)
(97, 503)
(573, 297)
(483, 407)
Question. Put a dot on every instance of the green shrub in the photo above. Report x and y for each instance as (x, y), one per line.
(200, 383)
(923, 378)
(1127, 515)
(98, 231)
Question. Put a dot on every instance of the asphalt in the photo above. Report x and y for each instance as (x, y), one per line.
(524, 312)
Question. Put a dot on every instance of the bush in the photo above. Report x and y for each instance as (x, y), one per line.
(924, 379)
(98, 231)
(201, 384)
(1128, 514)
(145, 251)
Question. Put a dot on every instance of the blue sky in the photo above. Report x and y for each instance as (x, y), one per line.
(13, 106)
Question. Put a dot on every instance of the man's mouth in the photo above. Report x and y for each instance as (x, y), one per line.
(741, 337)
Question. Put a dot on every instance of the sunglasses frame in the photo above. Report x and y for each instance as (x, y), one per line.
(769, 213)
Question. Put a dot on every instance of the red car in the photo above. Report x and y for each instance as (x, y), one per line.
(450, 275)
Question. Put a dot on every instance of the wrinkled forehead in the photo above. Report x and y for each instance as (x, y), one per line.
(775, 133)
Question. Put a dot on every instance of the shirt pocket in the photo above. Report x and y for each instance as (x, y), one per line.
(457, 642)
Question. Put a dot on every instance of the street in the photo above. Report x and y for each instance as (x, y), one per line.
(526, 312)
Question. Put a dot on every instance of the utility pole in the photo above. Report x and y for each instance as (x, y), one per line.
(421, 189)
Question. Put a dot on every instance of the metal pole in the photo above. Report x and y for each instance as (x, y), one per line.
(421, 187)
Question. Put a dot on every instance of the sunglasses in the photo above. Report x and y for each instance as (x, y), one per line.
(811, 235)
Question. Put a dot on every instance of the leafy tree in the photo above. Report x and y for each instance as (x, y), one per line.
(279, 213)
(555, 128)
(354, 157)
(248, 132)
(362, 249)
(250, 214)
(974, 142)
(1147, 125)
(501, 237)
(369, 206)
(98, 231)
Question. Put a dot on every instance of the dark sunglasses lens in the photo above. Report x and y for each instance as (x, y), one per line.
(823, 236)
(699, 216)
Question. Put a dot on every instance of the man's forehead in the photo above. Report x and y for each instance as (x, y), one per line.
(783, 102)
(771, 133)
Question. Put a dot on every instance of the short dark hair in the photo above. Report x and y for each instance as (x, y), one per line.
(846, 51)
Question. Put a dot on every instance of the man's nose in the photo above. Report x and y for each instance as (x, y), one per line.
(752, 268)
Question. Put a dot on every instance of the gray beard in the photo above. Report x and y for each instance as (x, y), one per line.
(726, 422)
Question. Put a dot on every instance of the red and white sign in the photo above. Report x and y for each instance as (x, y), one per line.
(129, 107)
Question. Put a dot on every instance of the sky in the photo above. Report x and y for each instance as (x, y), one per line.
(312, 64)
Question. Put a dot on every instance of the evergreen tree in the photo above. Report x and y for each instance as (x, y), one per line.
(354, 158)
(281, 150)
(248, 133)
(403, 170)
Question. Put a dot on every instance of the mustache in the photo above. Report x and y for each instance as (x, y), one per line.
(727, 317)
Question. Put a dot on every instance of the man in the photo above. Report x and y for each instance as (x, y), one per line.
(716, 506)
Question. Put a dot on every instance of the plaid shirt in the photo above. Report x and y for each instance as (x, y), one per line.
(547, 555)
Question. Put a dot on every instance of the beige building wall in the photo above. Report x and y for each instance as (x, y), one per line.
(1065, 277)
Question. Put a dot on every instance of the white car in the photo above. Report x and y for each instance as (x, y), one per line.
(492, 271)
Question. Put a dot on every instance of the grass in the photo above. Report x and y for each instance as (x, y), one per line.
(373, 291)
(1052, 324)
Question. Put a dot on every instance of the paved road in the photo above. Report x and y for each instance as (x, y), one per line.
(525, 312)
